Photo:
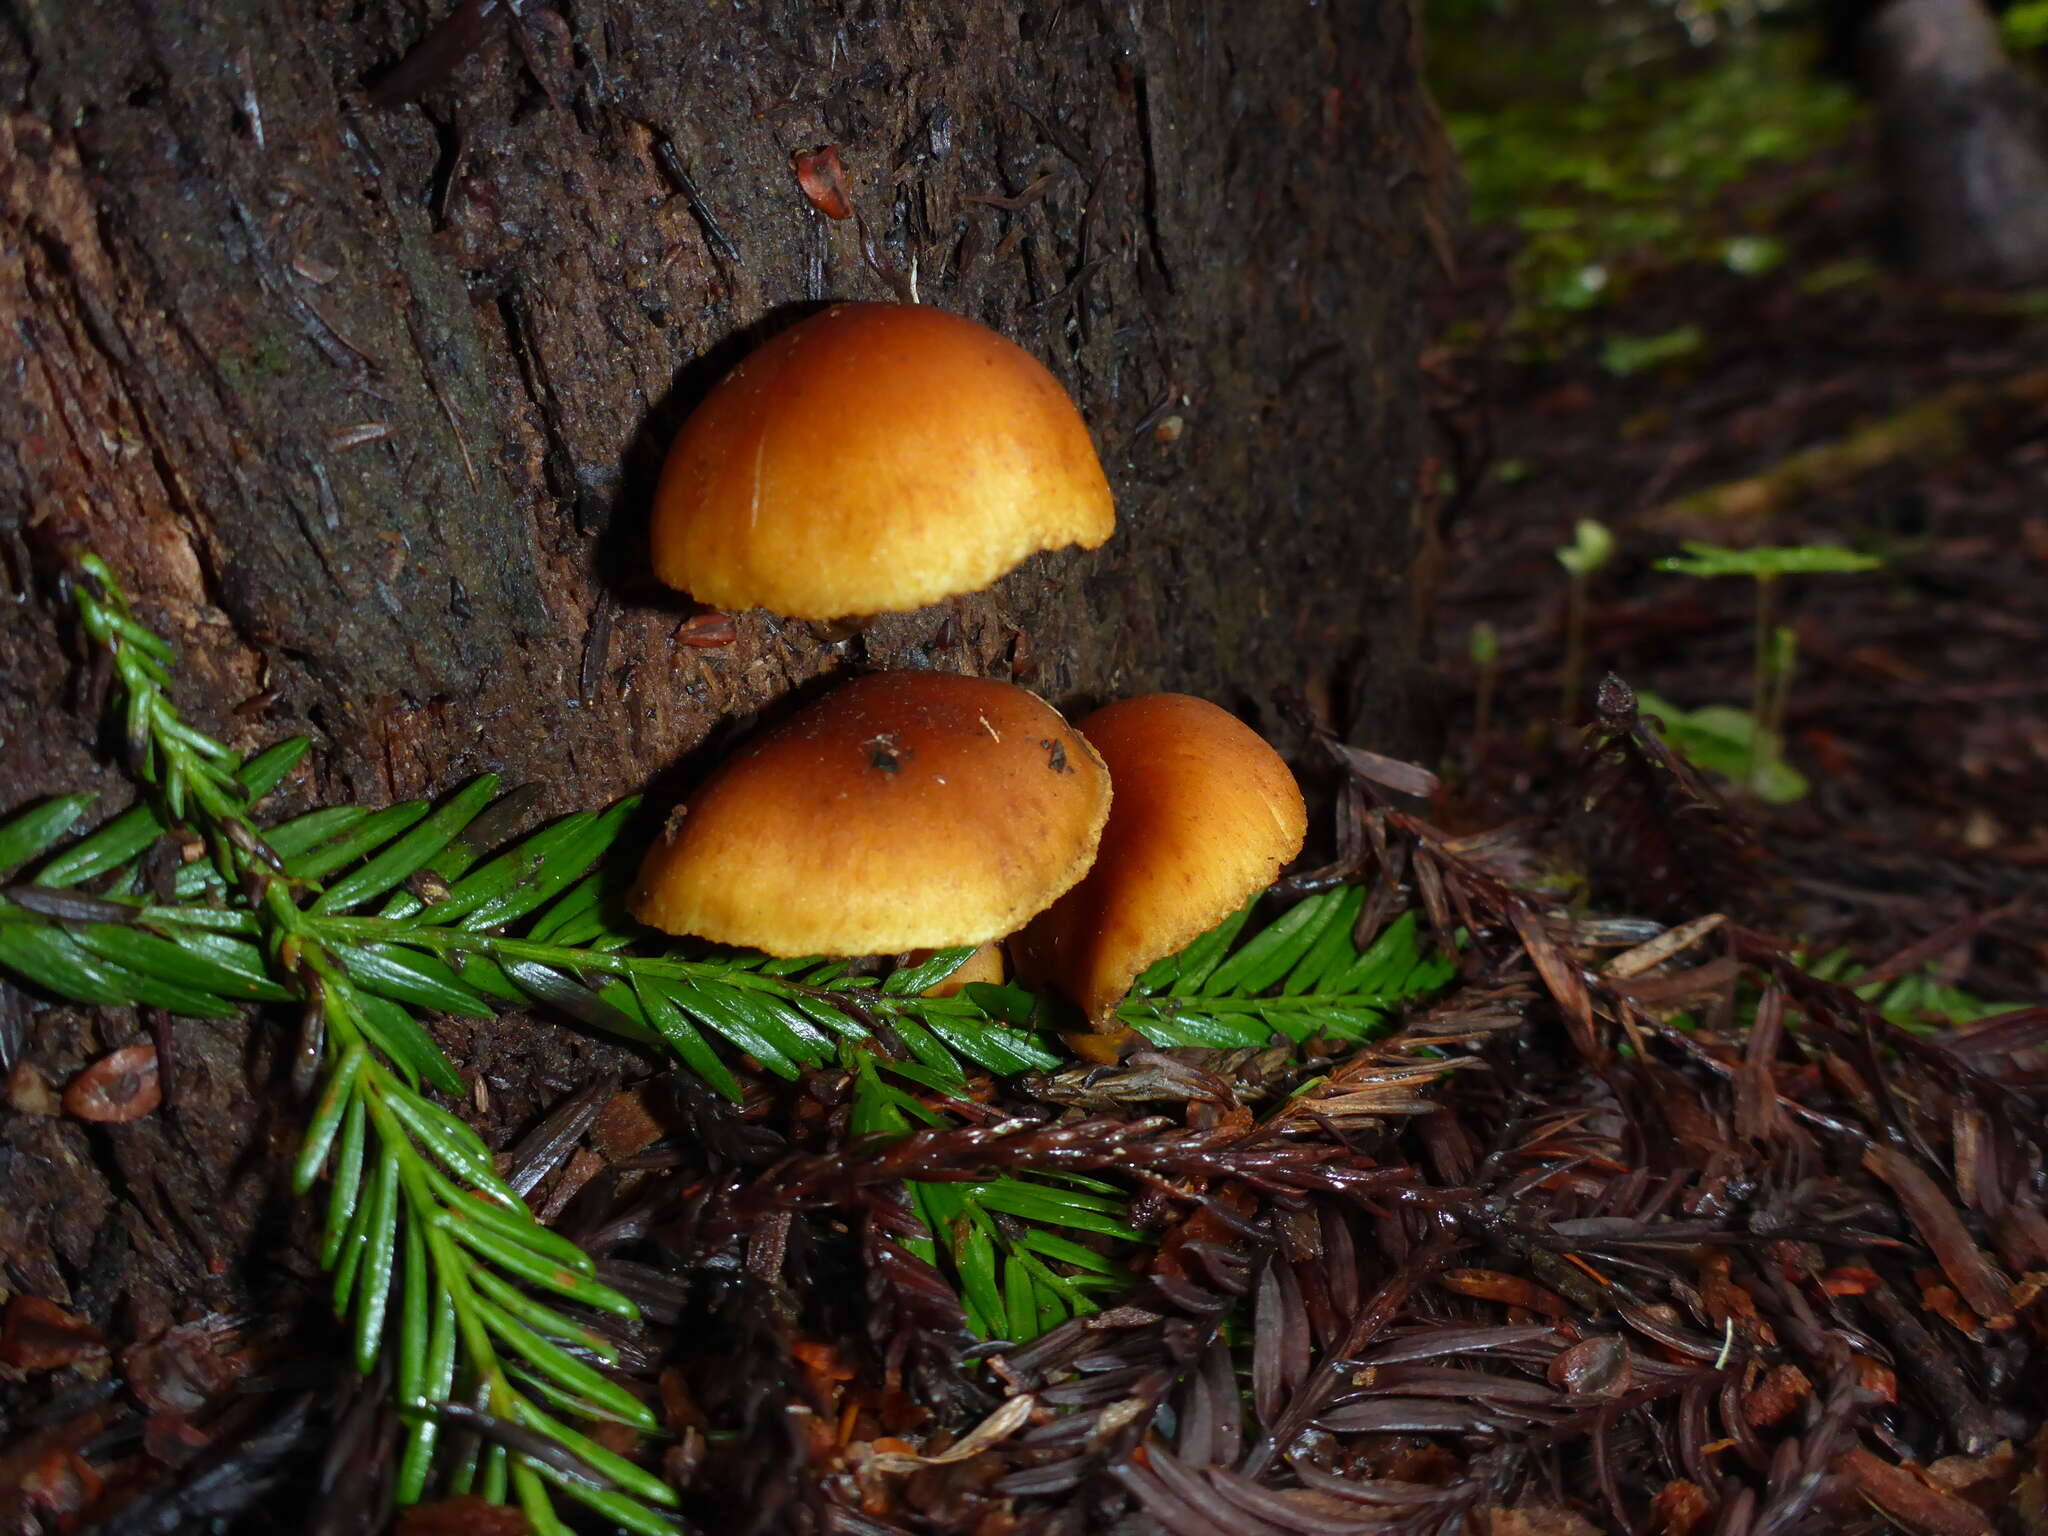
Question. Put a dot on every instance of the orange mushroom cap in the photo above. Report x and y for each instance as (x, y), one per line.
(1205, 814)
(903, 810)
(874, 458)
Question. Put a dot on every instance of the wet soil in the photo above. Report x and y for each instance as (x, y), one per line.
(1919, 712)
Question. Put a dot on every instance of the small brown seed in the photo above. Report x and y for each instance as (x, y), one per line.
(707, 631)
(822, 177)
(1599, 1366)
(119, 1087)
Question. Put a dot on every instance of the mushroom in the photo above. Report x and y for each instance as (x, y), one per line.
(870, 459)
(984, 966)
(901, 811)
(1205, 814)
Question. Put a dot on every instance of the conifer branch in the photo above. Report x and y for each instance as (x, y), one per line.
(366, 917)
(430, 1251)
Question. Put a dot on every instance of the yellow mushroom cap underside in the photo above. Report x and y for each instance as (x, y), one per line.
(903, 810)
(1205, 814)
(874, 458)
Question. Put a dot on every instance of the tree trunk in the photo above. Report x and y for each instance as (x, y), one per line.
(365, 403)
(1965, 142)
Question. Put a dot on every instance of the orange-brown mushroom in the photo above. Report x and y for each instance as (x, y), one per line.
(1205, 814)
(984, 966)
(874, 458)
(903, 810)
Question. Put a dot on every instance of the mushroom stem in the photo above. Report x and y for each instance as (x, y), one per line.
(1102, 1047)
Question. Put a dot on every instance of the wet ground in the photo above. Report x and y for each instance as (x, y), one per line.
(1919, 710)
(1613, 1272)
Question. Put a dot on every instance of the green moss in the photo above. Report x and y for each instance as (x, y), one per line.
(268, 357)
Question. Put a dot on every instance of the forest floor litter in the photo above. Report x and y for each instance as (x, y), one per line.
(1700, 1184)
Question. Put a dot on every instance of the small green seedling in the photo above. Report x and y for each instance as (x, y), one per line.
(1783, 657)
(1776, 647)
(1627, 356)
(1485, 650)
(1722, 739)
(1920, 1001)
(1767, 562)
(1592, 547)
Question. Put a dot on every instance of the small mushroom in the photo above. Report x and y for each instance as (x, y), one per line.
(901, 811)
(984, 966)
(874, 458)
(1205, 814)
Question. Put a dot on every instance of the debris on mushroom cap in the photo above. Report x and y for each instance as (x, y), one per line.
(1206, 813)
(870, 459)
(903, 810)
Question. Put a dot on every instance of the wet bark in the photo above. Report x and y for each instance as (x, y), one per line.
(365, 402)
